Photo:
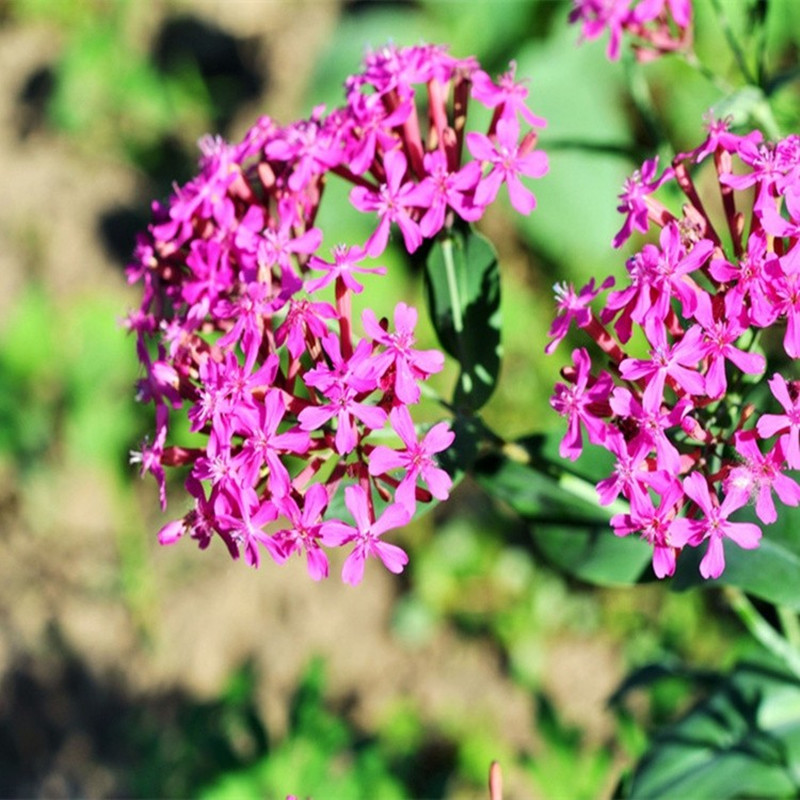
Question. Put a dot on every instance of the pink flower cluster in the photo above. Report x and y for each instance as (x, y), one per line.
(655, 26)
(675, 407)
(246, 332)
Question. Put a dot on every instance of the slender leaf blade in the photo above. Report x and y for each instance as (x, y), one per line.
(567, 524)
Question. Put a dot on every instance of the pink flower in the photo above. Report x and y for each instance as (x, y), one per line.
(713, 525)
(408, 365)
(507, 94)
(719, 336)
(759, 475)
(392, 201)
(634, 199)
(573, 306)
(508, 160)
(345, 263)
(655, 524)
(580, 404)
(246, 528)
(448, 190)
(417, 459)
(366, 535)
(678, 361)
(630, 471)
(264, 446)
(597, 15)
(305, 322)
(787, 424)
(306, 531)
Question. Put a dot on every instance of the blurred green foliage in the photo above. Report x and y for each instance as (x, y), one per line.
(108, 92)
(67, 376)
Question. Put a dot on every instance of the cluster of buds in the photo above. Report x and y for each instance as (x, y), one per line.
(717, 300)
(655, 27)
(247, 333)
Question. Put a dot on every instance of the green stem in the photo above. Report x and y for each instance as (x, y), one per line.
(763, 632)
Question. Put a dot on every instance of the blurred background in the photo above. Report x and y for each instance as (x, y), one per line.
(127, 669)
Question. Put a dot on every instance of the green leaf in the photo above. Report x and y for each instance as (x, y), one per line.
(568, 526)
(742, 741)
(463, 288)
(771, 572)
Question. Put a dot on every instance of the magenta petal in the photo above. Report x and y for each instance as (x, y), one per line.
(534, 164)
(680, 532)
(746, 534)
(315, 417)
(383, 459)
(405, 317)
(292, 441)
(307, 242)
(522, 199)
(713, 562)
(395, 164)
(438, 481)
(395, 516)
(791, 442)
(770, 424)
(786, 489)
(663, 561)
(346, 437)
(696, 487)
(353, 567)
(751, 363)
(428, 361)
(394, 558)
(363, 199)
(765, 506)
(406, 494)
(171, 532)
(481, 146)
(275, 408)
(314, 503)
(376, 243)
(438, 438)
(403, 425)
(372, 416)
(371, 326)
(777, 383)
(487, 189)
(317, 563)
(405, 385)
(336, 533)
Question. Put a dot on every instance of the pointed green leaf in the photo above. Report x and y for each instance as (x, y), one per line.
(568, 526)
